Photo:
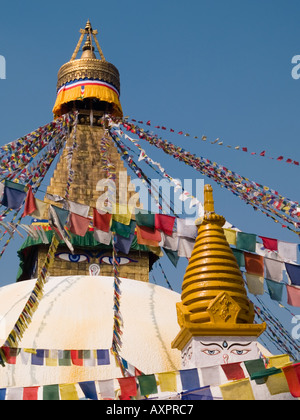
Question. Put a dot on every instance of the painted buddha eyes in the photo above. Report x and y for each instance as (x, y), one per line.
(73, 257)
(77, 258)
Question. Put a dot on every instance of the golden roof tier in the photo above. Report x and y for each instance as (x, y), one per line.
(88, 79)
(214, 298)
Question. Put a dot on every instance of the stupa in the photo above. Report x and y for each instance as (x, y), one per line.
(186, 341)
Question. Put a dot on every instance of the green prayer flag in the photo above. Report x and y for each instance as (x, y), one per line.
(144, 218)
(172, 255)
(50, 392)
(246, 241)
(123, 230)
(65, 360)
(239, 255)
(275, 289)
(147, 384)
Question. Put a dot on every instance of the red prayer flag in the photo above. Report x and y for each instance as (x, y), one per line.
(30, 393)
(30, 205)
(76, 359)
(165, 223)
(147, 236)
(254, 264)
(269, 243)
(233, 371)
(292, 375)
(10, 355)
(128, 388)
(280, 158)
(79, 224)
(101, 221)
(244, 149)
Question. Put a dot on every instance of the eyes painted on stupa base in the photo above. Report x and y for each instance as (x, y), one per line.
(238, 349)
(86, 257)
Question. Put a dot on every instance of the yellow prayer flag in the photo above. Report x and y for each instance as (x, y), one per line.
(230, 235)
(41, 208)
(51, 358)
(167, 381)
(279, 361)
(237, 390)
(277, 384)
(121, 214)
(68, 392)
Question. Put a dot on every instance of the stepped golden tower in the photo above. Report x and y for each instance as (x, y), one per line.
(214, 301)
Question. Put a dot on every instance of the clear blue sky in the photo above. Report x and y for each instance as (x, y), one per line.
(213, 67)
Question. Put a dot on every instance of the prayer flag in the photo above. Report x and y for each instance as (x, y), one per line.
(203, 394)
(255, 284)
(50, 392)
(14, 394)
(103, 357)
(164, 223)
(121, 214)
(40, 210)
(147, 236)
(287, 250)
(30, 205)
(246, 241)
(237, 390)
(189, 379)
(293, 295)
(145, 219)
(147, 384)
(37, 358)
(275, 289)
(79, 224)
(187, 228)
(68, 392)
(123, 244)
(269, 243)
(254, 264)
(277, 384)
(107, 389)
(128, 387)
(230, 236)
(14, 195)
(233, 371)
(239, 255)
(123, 230)
(101, 221)
(76, 358)
(102, 237)
(172, 255)
(294, 273)
(185, 247)
(81, 209)
(167, 381)
(30, 393)
(169, 242)
(273, 269)
(89, 390)
(292, 374)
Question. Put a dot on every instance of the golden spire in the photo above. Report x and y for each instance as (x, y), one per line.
(214, 298)
(103, 78)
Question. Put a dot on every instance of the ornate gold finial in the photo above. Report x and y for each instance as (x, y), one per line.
(89, 32)
(214, 298)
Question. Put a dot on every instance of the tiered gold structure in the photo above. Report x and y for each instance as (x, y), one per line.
(214, 298)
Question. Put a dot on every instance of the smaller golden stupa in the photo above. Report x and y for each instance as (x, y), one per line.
(214, 299)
